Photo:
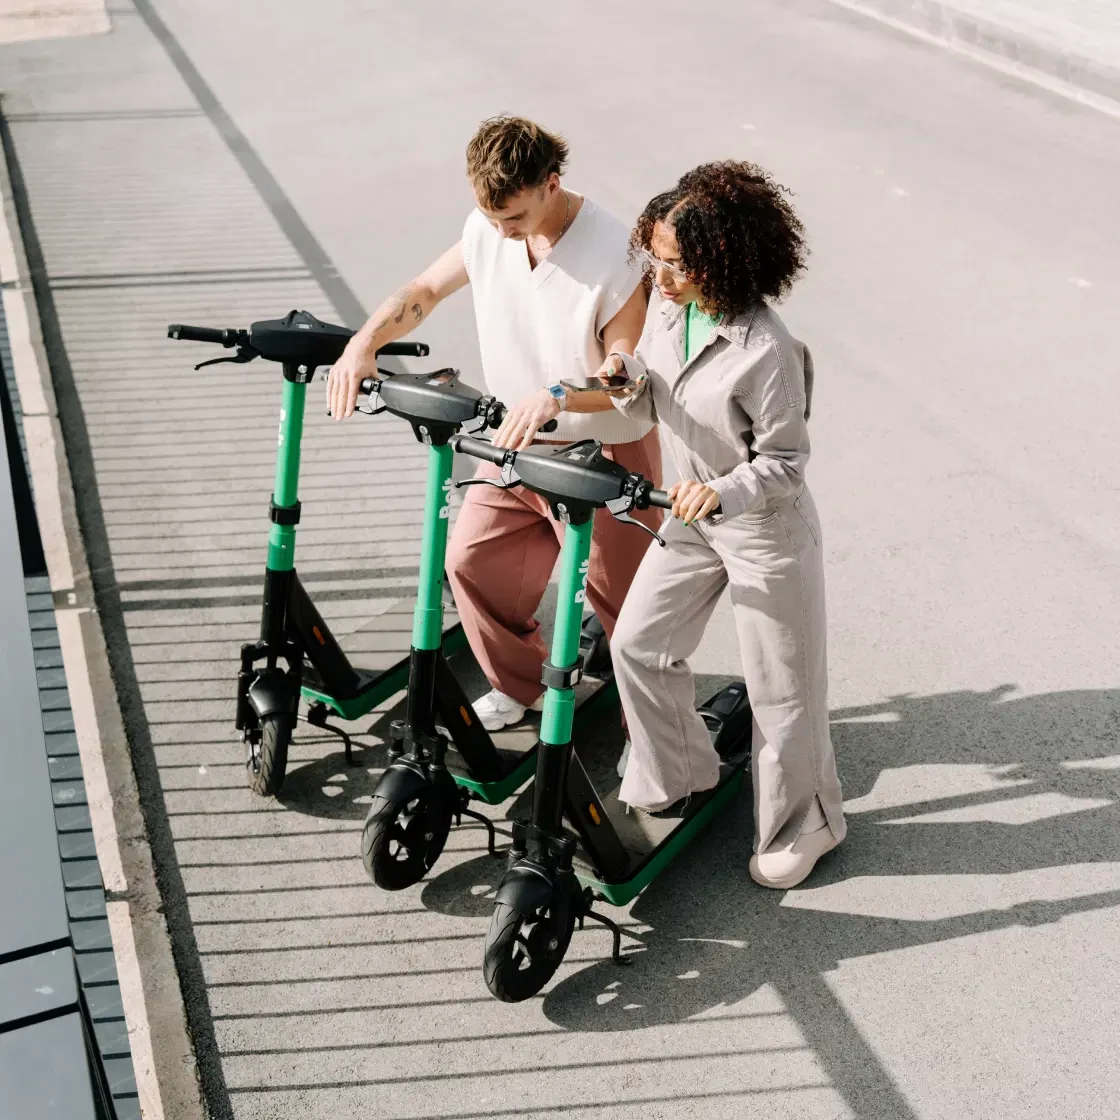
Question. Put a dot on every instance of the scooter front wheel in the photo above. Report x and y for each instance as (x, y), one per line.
(523, 951)
(401, 839)
(267, 761)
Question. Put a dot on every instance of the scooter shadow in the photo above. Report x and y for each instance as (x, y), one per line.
(467, 889)
(330, 788)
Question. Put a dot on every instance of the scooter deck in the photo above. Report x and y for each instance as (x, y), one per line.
(517, 744)
(653, 842)
(380, 651)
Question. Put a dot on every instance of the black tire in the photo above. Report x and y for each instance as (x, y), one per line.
(402, 839)
(523, 952)
(268, 760)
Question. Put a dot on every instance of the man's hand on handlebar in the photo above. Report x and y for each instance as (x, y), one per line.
(524, 419)
(344, 382)
(692, 501)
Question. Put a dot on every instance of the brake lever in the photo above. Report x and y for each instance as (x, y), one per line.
(620, 508)
(371, 411)
(485, 418)
(357, 407)
(243, 355)
(508, 480)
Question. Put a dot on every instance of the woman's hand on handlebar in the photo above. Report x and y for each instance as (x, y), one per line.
(692, 501)
(344, 382)
(524, 419)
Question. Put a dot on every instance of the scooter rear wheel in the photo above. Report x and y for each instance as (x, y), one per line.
(523, 951)
(402, 839)
(267, 761)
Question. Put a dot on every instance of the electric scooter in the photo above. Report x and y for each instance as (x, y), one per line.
(426, 786)
(292, 629)
(555, 876)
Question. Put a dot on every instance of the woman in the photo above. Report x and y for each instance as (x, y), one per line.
(730, 390)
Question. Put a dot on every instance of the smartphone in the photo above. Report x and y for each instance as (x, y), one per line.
(615, 385)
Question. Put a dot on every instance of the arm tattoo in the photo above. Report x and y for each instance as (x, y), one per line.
(397, 306)
(401, 304)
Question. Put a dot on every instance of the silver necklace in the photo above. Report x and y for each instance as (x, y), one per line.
(564, 229)
(567, 217)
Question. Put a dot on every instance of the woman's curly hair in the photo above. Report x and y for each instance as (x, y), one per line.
(740, 241)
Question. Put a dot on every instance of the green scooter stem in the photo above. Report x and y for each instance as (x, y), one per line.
(427, 619)
(282, 538)
(560, 703)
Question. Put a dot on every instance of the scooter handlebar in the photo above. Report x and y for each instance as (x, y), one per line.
(405, 349)
(660, 499)
(479, 449)
(498, 414)
(494, 418)
(226, 337)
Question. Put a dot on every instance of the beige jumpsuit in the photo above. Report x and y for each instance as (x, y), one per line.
(734, 417)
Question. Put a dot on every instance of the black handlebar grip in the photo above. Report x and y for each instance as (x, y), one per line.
(479, 449)
(499, 414)
(405, 349)
(199, 334)
(659, 499)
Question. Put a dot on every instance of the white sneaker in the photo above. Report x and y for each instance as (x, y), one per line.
(621, 767)
(496, 710)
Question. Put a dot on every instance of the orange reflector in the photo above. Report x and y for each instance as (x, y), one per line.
(594, 814)
(466, 717)
(315, 631)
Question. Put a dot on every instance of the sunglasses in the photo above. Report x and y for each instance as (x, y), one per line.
(654, 263)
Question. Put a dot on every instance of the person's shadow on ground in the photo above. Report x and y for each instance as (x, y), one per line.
(716, 937)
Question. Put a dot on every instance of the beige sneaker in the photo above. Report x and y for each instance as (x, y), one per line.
(785, 869)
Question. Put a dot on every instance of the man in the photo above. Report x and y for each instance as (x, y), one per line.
(554, 292)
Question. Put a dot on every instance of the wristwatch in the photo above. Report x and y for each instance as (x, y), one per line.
(559, 394)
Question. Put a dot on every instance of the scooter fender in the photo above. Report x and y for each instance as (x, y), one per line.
(403, 780)
(526, 888)
(273, 693)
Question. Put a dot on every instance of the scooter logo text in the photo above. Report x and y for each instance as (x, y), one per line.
(445, 509)
(581, 594)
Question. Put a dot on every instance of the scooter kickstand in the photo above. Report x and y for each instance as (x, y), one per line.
(491, 833)
(616, 933)
(317, 717)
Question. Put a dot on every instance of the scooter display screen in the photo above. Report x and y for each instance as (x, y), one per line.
(444, 377)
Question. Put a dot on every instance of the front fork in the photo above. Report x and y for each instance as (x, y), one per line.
(540, 868)
(414, 742)
(262, 692)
